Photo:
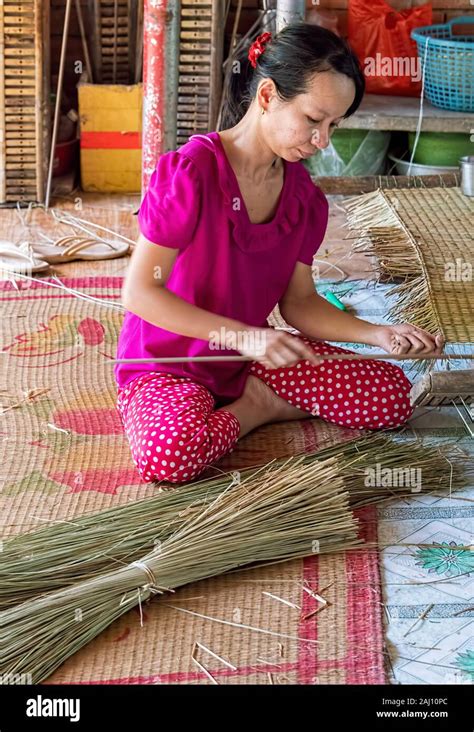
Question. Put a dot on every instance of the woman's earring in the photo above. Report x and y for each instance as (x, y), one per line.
(263, 111)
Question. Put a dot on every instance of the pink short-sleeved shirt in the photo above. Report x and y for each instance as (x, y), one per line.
(226, 264)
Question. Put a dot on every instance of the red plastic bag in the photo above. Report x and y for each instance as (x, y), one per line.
(380, 36)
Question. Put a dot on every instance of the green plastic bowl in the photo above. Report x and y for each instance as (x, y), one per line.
(440, 148)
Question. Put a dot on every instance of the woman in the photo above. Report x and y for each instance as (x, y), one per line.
(229, 228)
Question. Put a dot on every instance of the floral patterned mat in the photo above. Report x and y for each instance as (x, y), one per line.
(428, 591)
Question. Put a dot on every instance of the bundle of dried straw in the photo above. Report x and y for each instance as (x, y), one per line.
(58, 555)
(286, 509)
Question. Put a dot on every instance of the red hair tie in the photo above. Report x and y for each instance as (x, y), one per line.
(258, 47)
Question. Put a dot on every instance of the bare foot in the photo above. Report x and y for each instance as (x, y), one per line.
(274, 407)
(260, 405)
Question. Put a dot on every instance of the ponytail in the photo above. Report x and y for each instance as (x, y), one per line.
(237, 96)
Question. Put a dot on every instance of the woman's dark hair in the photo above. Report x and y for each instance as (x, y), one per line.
(290, 58)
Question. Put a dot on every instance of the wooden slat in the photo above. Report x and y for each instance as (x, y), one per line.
(14, 198)
(194, 68)
(19, 189)
(20, 138)
(196, 24)
(18, 92)
(122, 32)
(26, 9)
(22, 161)
(108, 12)
(194, 79)
(24, 123)
(19, 64)
(122, 22)
(20, 19)
(26, 53)
(200, 114)
(192, 122)
(190, 35)
(15, 69)
(190, 46)
(116, 41)
(23, 141)
(17, 30)
(196, 12)
(194, 58)
(3, 191)
(19, 167)
(192, 100)
(110, 51)
(21, 183)
(16, 122)
(22, 111)
(190, 91)
(20, 82)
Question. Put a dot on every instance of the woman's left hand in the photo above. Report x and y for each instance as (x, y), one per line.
(408, 340)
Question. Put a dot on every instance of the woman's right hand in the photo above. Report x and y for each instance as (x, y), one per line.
(275, 348)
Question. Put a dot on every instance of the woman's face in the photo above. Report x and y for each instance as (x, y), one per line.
(297, 129)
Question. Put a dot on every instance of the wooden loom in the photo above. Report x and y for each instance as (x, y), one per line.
(24, 99)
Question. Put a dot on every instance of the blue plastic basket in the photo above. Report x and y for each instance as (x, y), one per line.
(448, 64)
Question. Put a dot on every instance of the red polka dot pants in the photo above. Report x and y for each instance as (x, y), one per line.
(173, 430)
(175, 433)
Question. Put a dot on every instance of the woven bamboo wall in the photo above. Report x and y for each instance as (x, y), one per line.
(24, 99)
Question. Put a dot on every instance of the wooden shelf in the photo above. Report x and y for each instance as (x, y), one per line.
(383, 112)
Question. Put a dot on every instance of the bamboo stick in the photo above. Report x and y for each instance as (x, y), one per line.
(39, 88)
(323, 357)
(57, 110)
(85, 47)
